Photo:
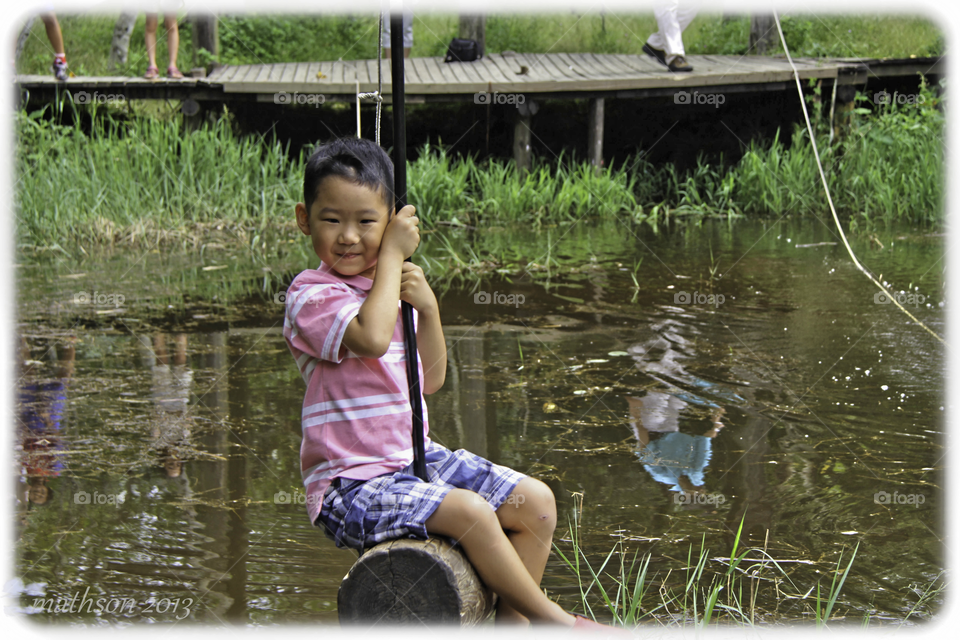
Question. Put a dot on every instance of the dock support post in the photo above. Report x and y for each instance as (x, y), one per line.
(595, 135)
(205, 36)
(522, 153)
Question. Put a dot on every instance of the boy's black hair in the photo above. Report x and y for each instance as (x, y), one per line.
(360, 161)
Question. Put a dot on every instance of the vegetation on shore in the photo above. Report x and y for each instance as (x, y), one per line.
(711, 591)
(257, 39)
(140, 179)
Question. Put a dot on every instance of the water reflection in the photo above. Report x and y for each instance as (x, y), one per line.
(40, 407)
(195, 432)
(171, 386)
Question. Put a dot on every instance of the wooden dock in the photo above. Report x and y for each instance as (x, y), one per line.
(548, 74)
(522, 78)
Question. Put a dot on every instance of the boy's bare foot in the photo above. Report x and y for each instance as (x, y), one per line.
(586, 624)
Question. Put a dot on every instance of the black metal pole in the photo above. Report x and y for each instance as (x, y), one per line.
(400, 191)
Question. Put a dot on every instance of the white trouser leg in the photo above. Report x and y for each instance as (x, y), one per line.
(673, 16)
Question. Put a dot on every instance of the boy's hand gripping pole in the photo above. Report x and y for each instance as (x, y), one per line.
(400, 191)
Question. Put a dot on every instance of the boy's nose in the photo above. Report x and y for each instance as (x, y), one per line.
(349, 236)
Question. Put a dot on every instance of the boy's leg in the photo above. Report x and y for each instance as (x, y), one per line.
(529, 517)
(466, 517)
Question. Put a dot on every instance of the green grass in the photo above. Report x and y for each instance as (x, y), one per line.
(711, 591)
(132, 178)
(141, 179)
(253, 39)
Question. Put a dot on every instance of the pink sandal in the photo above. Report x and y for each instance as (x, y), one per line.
(152, 73)
(173, 72)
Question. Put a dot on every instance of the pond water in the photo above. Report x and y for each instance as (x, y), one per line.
(158, 457)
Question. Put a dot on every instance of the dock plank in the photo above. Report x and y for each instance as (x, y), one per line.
(567, 73)
(590, 66)
(287, 73)
(575, 67)
(490, 71)
(550, 68)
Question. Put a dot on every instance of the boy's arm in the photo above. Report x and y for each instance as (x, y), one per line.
(433, 350)
(430, 343)
(369, 333)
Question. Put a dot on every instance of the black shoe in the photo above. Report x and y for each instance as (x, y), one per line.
(679, 64)
(659, 54)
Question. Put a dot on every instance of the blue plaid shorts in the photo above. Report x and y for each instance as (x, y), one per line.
(363, 513)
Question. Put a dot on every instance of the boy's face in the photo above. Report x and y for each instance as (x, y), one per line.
(346, 222)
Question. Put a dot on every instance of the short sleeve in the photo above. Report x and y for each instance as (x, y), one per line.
(316, 318)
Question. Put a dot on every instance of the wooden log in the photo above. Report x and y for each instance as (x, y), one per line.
(414, 581)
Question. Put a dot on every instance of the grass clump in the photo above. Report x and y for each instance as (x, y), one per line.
(115, 176)
(711, 591)
(121, 175)
(886, 165)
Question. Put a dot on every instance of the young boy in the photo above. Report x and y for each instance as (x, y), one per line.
(343, 327)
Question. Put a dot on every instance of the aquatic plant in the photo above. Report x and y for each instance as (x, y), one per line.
(706, 596)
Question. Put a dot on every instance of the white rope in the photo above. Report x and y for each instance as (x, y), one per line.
(378, 94)
(823, 178)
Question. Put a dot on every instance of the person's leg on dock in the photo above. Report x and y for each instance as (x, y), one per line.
(466, 517)
(173, 43)
(150, 36)
(672, 18)
(56, 41)
(407, 34)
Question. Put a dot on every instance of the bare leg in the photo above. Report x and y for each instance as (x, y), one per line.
(53, 32)
(150, 36)
(173, 36)
(468, 518)
(529, 517)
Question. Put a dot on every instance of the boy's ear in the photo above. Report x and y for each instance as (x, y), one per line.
(303, 218)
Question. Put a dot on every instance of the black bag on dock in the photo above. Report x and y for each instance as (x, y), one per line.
(462, 50)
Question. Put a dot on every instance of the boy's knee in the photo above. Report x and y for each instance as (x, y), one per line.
(538, 502)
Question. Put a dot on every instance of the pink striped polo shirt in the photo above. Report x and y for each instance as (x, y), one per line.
(356, 418)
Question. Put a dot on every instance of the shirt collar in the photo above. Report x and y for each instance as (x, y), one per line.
(358, 282)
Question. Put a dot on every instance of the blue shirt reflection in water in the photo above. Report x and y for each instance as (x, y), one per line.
(671, 457)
